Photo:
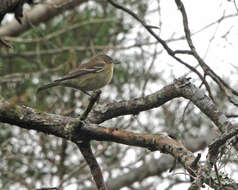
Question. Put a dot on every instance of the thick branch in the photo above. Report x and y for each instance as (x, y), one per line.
(74, 130)
(57, 125)
(135, 106)
(86, 150)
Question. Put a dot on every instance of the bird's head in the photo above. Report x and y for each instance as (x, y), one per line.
(107, 59)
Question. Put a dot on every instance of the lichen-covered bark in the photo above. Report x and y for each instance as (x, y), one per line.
(75, 130)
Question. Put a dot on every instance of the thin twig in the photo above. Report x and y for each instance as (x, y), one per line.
(235, 5)
(162, 42)
(207, 70)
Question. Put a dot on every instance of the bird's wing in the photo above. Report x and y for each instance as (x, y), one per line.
(83, 71)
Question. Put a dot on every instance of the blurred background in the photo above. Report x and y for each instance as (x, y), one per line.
(50, 49)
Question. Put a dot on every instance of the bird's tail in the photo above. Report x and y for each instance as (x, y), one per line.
(47, 86)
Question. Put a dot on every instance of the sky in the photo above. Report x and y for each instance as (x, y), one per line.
(218, 49)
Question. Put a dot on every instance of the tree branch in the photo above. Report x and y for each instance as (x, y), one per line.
(73, 129)
(163, 43)
(93, 165)
(207, 70)
(40, 13)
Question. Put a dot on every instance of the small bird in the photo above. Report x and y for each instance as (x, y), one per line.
(93, 75)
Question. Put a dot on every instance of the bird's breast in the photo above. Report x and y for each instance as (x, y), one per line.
(94, 81)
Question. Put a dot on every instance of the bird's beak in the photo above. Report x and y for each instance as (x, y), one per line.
(116, 62)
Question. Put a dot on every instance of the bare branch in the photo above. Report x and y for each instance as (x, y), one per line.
(73, 129)
(207, 70)
(163, 43)
(40, 13)
(93, 165)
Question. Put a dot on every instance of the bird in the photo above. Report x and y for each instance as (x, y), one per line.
(91, 76)
(13, 6)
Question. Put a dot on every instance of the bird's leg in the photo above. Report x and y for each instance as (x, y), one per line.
(94, 98)
(97, 93)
